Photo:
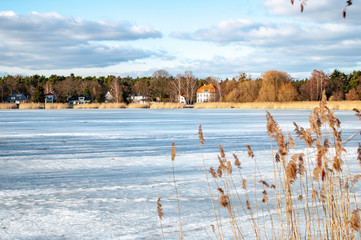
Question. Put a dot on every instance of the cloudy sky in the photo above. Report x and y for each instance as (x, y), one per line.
(208, 37)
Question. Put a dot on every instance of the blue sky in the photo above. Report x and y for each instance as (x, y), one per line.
(208, 37)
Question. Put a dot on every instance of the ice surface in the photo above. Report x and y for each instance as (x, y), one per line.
(97, 174)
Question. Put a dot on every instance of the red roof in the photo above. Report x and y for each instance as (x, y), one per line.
(207, 89)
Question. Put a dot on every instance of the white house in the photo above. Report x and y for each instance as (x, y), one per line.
(206, 93)
(180, 98)
(78, 99)
(139, 99)
(109, 97)
(50, 97)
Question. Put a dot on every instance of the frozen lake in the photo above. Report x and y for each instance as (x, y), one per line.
(97, 174)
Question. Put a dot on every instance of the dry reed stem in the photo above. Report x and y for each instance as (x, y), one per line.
(176, 191)
(201, 142)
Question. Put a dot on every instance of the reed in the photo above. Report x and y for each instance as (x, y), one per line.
(100, 106)
(166, 105)
(160, 215)
(310, 196)
(138, 105)
(111, 105)
(8, 106)
(176, 191)
(332, 105)
(56, 106)
(31, 105)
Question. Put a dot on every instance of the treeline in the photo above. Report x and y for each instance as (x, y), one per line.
(276, 86)
(161, 86)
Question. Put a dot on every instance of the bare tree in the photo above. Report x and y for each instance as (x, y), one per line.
(178, 85)
(191, 85)
(141, 87)
(64, 89)
(116, 90)
(321, 80)
(313, 88)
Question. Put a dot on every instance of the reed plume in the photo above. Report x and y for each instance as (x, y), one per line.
(173, 151)
(225, 201)
(160, 214)
(291, 172)
(250, 152)
(237, 163)
(213, 173)
(200, 135)
(355, 222)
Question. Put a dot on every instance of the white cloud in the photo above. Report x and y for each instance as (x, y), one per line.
(292, 46)
(280, 33)
(52, 41)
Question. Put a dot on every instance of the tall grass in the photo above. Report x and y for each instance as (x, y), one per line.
(31, 105)
(333, 105)
(100, 106)
(139, 105)
(311, 194)
(162, 105)
(8, 106)
(56, 106)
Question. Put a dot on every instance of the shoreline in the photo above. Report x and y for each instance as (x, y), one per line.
(332, 105)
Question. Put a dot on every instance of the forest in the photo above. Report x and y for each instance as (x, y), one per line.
(271, 86)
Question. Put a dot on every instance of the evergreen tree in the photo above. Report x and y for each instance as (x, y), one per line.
(39, 96)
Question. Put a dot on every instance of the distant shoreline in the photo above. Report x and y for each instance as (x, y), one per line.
(333, 105)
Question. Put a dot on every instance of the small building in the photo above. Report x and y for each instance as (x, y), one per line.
(78, 99)
(17, 98)
(206, 93)
(181, 98)
(139, 99)
(50, 97)
(109, 97)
